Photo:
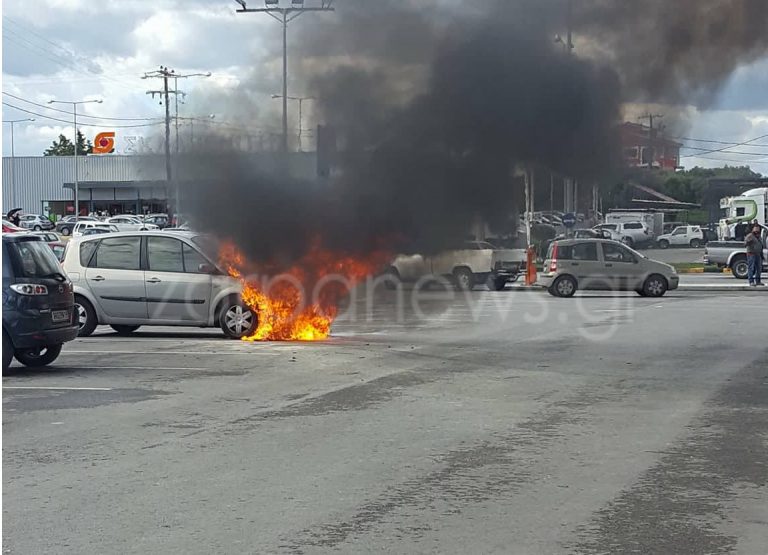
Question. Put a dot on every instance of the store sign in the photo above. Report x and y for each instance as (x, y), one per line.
(104, 143)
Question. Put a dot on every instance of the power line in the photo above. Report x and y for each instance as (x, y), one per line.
(82, 125)
(70, 113)
(724, 151)
(727, 147)
(733, 143)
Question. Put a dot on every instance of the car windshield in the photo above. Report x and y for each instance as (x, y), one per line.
(34, 259)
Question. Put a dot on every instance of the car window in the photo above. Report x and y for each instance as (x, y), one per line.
(7, 270)
(584, 251)
(679, 231)
(164, 254)
(613, 252)
(633, 225)
(192, 260)
(36, 258)
(86, 252)
(118, 253)
(612, 227)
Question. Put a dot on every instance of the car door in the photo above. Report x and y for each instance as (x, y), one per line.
(581, 260)
(177, 291)
(622, 268)
(679, 236)
(115, 278)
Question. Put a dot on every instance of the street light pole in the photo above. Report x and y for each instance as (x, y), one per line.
(74, 117)
(286, 15)
(300, 100)
(13, 158)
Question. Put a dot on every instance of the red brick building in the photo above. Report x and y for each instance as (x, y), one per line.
(639, 144)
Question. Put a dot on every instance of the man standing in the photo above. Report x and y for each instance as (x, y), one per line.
(755, 247)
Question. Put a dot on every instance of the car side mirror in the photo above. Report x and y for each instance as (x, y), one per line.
(206, 269)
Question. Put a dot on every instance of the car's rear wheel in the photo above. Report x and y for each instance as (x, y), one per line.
(655, 286)
(392, 279)
(7, 351)
(663, 244)
(464, 278)
(563, 286)
(695, 243)
(37, 228)
(237, 320)
(640, 292)
(740, 268)
(86, 316)
(496, 283)
(39, 356)
(123, 329)
(65, 231)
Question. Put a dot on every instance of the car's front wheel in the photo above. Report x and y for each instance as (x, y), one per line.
(65, 231)
(563, 286)
(86, 316)
(663, 244)
(37, 228)
(464, 279)
(655, 286)
(237, 320)
(39, 356)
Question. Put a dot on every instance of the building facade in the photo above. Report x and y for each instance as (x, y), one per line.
(646, 147)
(119, 184)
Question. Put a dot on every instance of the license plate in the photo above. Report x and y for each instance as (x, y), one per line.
(60, 315)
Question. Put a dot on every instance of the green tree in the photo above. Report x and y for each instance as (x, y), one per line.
(64, 147)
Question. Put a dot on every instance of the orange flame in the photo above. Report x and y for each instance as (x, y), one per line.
(299, 303)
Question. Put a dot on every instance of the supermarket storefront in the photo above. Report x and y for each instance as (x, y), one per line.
(115, 197)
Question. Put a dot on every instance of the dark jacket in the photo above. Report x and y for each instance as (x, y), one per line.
(754, 244)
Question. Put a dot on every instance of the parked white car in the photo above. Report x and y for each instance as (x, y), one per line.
(629, 233)
(151, 278)
(77, 231)
(475, 262)
(35, 222)
(130, 223)
(682, 236)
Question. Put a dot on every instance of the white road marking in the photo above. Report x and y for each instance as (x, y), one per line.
(53, 388)
(162, 353)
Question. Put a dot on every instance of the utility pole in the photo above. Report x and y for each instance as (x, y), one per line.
(74, 158)
(13, 159)
(284, 16)
(300, 100)
(651, 136)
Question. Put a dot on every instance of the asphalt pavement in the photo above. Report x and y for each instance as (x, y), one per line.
(435, 422)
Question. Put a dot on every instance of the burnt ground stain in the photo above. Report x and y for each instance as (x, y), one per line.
(678, 505)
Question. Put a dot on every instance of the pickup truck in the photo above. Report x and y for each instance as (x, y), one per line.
(733, 255)
(682, 236)
(473, 263)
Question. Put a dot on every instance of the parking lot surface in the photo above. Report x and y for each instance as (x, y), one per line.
(486, 422)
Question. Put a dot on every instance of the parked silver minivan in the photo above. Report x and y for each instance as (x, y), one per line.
(151, 278)
(599, 264)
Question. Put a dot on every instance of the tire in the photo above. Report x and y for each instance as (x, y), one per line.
(123, 329)
(7, 352)
(464, 279)
(86, 316)
(37, 228)
(663, 244)
(237, 320)
(628, 241)
(393, 280)
(65, 231)
(695, 243)
(740, 268)
(655, 286)
(564, 286)
(496, 283)
(39, 356)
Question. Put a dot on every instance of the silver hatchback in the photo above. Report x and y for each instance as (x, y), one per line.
(598, 264)
(133, 279)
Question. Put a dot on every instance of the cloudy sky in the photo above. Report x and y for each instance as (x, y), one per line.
(81, 49)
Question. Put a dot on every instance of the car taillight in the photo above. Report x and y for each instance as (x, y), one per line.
(553, 261)
(30, 289)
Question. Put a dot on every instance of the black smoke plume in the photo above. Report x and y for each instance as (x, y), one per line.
(439, 104)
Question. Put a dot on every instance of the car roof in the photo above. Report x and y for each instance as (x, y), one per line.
(16, 237)
(153, 233)
(584, 240)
